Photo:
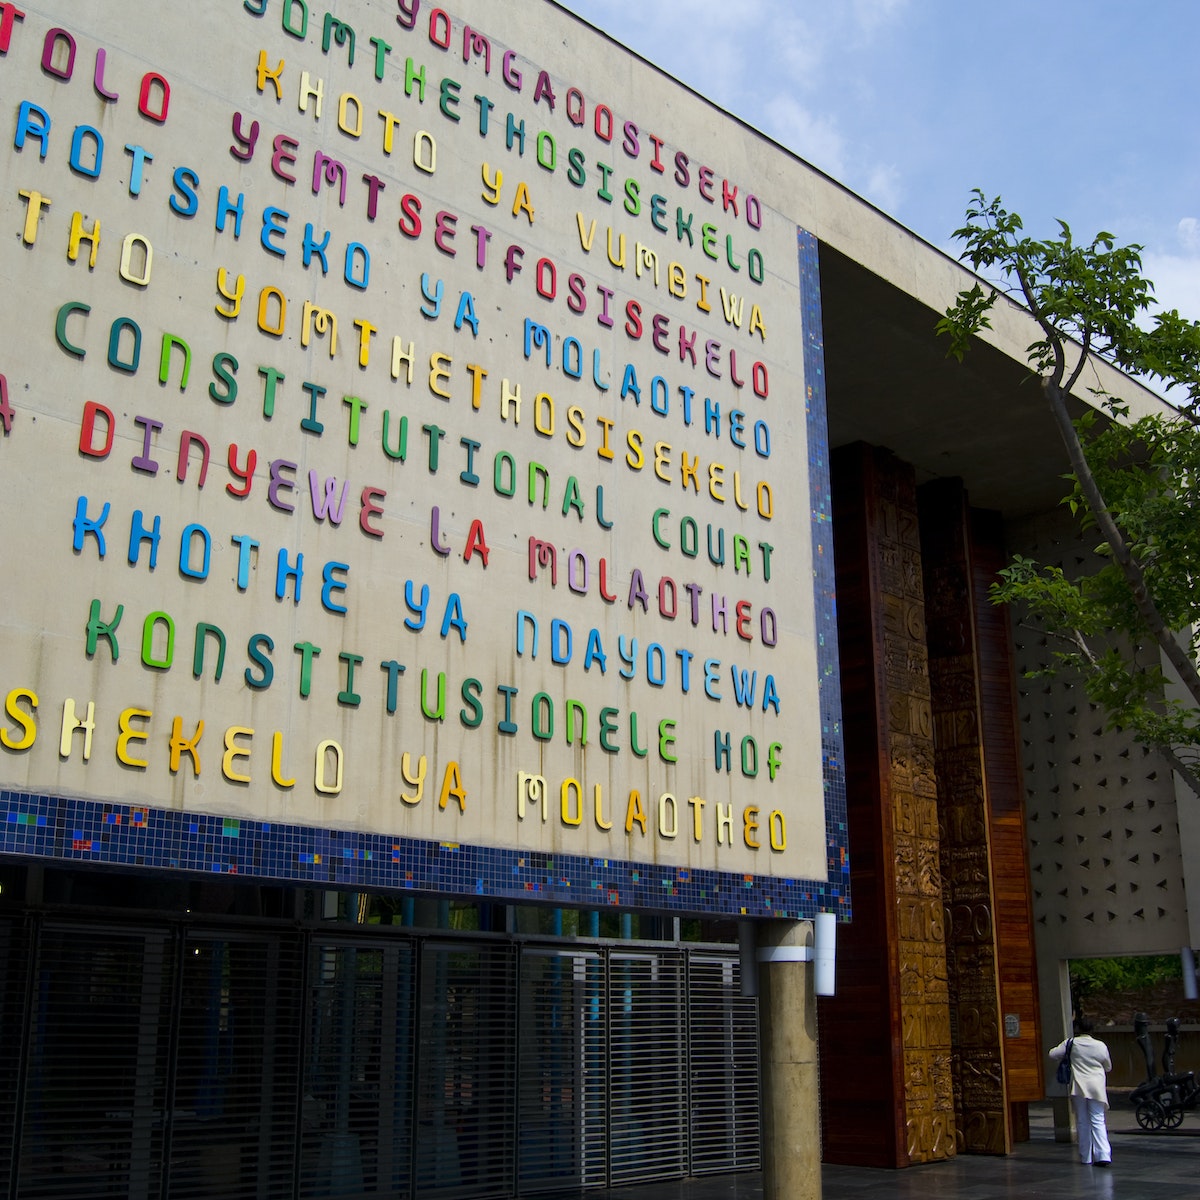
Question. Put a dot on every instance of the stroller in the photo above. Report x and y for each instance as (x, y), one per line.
(1160, 1102)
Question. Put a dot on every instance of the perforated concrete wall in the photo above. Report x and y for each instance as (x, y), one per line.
(1104, 842)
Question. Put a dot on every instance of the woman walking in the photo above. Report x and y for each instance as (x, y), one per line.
(1089, 1091)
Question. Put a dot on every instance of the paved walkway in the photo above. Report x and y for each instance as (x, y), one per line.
(1146, 1166)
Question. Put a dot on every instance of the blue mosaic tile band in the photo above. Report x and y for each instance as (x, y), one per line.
(94, 832)
(140, 838)
(824, 586)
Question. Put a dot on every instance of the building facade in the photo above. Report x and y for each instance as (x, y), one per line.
(434, 441)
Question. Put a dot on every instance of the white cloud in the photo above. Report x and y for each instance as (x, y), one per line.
(729, 50)
(710, 45)
(781, 64)
(885, 187)
(1175, 270)
(799, 54)
(1176, 279)
(870, 14)
(815, 138)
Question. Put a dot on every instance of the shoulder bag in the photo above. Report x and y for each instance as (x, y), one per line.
(1063, 1075)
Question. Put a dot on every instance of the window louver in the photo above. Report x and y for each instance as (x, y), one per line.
(95, 1109)
(236, 1068)
(183, 1061)
(356, 1110)
(563, 1093)
(647, 1139)
(466, 1093)
(723, 1053)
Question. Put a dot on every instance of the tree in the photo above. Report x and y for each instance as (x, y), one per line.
(1135, 484)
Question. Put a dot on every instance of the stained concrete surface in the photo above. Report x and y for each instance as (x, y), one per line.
(1146, 1166)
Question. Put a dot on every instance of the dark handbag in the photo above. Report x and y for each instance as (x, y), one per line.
(1063, 1075)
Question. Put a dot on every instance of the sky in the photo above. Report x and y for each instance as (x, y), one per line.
(1082, 110)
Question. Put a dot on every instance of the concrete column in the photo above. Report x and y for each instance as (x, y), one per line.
(790, 1086)
(1057, 1025)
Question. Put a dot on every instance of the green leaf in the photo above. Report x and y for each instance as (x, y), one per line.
(1136, 483)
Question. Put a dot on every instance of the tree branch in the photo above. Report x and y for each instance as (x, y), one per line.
(1184, 770)
(1089, 299)
(1085, 349)
(1175, 654)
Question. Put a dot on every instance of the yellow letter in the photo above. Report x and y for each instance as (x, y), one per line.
(129, 734)
(328, 789)
(24, 720)
(778, 829)
(233, 751)
(452, 786)
(635, 812)
(750, 826)
(491, 187)
(532, 788)
(417, 781)
(71, 722)
(571, 800)
(277, 762)
(180, 745)
(598, 795)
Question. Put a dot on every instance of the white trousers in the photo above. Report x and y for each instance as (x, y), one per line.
(1091, 1129)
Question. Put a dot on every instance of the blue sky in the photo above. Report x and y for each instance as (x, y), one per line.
(1088, 110)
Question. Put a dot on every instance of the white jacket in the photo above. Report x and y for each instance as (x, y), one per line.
(1089, 1064)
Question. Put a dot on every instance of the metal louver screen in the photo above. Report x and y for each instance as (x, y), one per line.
(14, 960)
(206, 1061)
(563, 1095)
(233, 1115)
(648, 1135)
(95, 1111)
(356, 1109)
(723, 1052)
(466, 1093)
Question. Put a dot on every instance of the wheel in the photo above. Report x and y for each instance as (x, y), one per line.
(1150, 1115)
(1172, 1117)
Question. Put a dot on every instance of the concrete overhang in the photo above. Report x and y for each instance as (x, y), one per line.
(889, 382)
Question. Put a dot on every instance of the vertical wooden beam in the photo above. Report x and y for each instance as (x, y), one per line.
(991, 958)
(885, 1038)
(980, 1107)
(1012, 888)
